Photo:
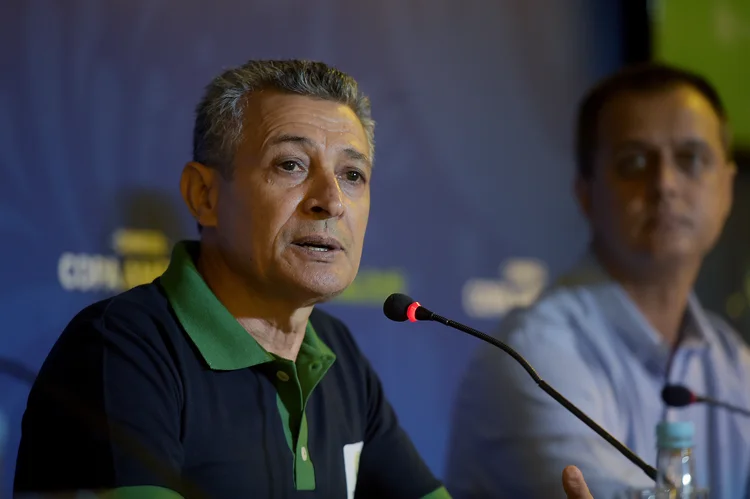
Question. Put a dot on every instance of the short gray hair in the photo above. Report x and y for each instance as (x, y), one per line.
(219, 115)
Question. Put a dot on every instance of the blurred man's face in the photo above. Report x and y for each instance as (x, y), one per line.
(661, 188)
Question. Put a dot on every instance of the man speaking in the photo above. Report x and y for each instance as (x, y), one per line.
(220, 379)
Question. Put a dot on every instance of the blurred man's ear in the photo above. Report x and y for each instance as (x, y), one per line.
(729, 189)
(582, 190)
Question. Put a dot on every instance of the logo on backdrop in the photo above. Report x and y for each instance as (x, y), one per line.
(520, 282)
(371, 286)
(139, 256)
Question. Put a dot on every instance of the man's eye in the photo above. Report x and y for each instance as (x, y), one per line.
(289, 166)
(691, 162)
(354, 176)
(632, 163)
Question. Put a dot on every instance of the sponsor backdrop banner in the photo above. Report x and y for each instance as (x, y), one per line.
(471, 213)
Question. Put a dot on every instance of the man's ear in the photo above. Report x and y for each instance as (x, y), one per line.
(199, 186)
(729, 193)
(582, 190)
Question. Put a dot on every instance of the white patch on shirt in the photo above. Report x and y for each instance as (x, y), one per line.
(351, 466)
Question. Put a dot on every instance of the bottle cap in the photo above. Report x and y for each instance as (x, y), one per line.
(675, 435)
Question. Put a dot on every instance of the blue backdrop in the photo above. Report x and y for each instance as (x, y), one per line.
(471, 212)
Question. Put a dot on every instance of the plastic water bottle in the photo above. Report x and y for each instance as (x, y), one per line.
(675, 464)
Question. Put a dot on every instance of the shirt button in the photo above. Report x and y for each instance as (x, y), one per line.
(314, 366)
(282, 375)
(303, 452)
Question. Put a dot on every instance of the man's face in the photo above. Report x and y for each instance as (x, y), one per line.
(662, 184)
(292, 218)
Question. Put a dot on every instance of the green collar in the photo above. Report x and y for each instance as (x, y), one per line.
(224, 344)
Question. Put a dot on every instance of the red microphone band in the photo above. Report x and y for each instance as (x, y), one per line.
(412, 311)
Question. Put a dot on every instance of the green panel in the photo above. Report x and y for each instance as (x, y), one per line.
(711, 37)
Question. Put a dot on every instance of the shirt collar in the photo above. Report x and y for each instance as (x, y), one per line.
(221, 340)
(620, 310)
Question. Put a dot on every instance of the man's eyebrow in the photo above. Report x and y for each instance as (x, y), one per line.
(350, 152)
(694, 143)
(632, 144)
(355, 155)
(286, 138)
(642, 144)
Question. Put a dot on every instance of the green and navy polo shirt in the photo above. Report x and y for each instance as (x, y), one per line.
(160, 392)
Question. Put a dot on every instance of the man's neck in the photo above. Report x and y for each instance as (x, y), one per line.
(660, 294)
(277, 326)
(662, 304)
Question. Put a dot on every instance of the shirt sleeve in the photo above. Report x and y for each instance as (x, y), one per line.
(390, 465)
(510, 439)
(104, 413)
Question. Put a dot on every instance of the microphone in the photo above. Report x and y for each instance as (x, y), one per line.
(681, 396)
(399, 307)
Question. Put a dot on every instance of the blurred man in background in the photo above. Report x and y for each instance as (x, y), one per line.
(655, 181)
(220, 379)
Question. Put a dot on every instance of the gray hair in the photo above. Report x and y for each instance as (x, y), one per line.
(219, 116)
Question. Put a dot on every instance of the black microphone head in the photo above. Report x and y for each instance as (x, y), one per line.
(396, 307)
(677, 396)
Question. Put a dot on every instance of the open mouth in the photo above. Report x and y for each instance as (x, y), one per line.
(319, 243)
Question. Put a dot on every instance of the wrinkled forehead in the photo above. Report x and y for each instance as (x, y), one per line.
(269, 114)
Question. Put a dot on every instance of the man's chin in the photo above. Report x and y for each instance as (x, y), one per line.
(670, 255)
(320, 289)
